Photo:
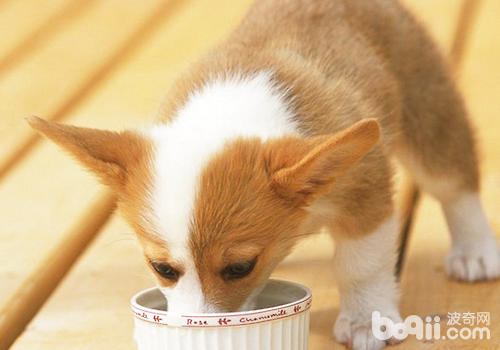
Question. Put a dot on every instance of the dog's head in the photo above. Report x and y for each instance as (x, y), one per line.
(213, 229)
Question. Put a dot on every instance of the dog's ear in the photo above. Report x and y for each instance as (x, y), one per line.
(106, 153)
(304, 168)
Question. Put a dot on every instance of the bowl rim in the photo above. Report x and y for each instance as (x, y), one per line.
(223, 319)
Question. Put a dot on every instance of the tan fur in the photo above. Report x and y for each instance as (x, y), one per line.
(122, 160)
(156, 251)
(326, 159)
(246, 219)
(113, 156)
(238, 217)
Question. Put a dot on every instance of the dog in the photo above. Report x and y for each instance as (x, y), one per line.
(288, 126)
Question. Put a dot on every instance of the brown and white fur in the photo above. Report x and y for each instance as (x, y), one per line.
(285, 127)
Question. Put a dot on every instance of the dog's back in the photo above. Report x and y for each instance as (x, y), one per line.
(344, 60)
(367, 58)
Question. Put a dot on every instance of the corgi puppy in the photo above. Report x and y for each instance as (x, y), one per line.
(286, 127)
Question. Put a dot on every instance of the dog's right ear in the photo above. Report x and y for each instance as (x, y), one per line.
(108, 154)
(304, 168)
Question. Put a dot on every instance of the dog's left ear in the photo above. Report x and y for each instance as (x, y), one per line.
(106, 153)
(304, 168)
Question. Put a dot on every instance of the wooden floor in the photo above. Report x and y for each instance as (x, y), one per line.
(107, 64)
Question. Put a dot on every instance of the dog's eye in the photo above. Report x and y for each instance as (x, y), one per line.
(238, 269)
(166, 271)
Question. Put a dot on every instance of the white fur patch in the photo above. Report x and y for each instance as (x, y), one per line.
(364, 270)
(474, 253)
(222, 110)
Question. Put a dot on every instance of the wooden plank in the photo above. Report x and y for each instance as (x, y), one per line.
(20, 308)
(66, 69)
(84, 300)
(102, 307)
(25, 24)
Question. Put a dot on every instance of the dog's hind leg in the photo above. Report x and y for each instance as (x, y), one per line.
(437, 146)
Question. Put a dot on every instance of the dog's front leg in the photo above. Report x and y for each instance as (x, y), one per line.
(364, 268)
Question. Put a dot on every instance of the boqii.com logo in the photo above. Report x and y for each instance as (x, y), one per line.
(467, 325)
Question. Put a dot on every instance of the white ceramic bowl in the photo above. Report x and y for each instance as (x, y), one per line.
(279, 322)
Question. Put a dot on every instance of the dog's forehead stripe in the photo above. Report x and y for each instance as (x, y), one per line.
(221, 111)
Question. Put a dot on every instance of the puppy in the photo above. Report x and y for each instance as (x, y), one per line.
(286, 127)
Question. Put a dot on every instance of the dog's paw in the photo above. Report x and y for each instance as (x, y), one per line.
(358, 335)
(476, 261)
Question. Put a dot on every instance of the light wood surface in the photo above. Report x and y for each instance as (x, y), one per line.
(20, 308)
(25, 21)
(69, 66)
(45, 194)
